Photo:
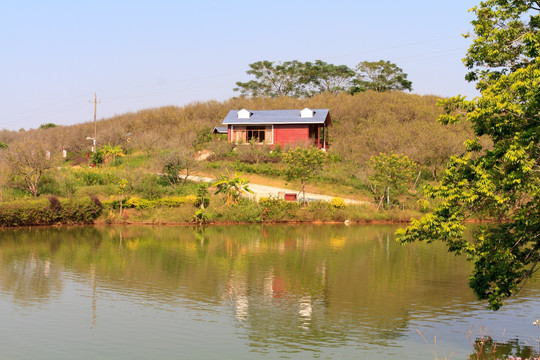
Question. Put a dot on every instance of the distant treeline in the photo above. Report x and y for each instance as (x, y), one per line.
(305, 79)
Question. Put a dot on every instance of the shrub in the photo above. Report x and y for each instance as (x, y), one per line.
(262, 169)
(201, 217)
(337, 203)
(220, 149)
(98, 157)
(138, 203)
(202, 196)
(49, 211)
(49, 185)
(277, 209)
(174, 201)
(149, 187)
(55, 204)
(253, 153)
(422, 205)
(96, 177)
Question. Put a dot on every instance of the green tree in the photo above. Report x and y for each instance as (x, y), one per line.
(121, 188)
(47, 126)
(503, 180)
(380, 76)
(323, 77)
(303, 164)
(232, 187)
(391, 171)
(274, 80)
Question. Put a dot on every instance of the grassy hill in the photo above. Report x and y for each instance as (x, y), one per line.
(363, 125)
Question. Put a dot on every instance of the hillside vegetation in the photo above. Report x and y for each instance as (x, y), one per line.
(364, 124)
(166, 140)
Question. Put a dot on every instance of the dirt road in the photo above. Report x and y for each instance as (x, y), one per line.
(272, 191)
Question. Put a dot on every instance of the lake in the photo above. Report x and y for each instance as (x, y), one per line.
(246, 292)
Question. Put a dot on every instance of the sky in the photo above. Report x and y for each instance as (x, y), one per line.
(56, 54)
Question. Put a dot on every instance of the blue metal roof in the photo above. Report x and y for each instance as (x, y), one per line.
(220, 130)
(268, 117)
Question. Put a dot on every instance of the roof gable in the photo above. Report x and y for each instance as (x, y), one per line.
(244, 114)
(307, 113)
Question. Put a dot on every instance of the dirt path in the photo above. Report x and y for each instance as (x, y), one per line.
(272, 191)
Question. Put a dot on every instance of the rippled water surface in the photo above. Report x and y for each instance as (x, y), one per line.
(245, 292)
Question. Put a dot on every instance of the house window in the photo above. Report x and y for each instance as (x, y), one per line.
(258, 134)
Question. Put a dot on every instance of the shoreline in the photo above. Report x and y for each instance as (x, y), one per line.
(233, 223)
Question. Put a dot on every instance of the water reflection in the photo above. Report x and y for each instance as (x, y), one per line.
(295, 290)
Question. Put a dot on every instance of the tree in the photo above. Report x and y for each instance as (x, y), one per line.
(27, 161)
(322, 77)
(175, 160)
(391, 171)
(502, 181)
(121, 189)
(380, 76)
(232, 187)
(303, 164)
(282, 79)
(4, 173)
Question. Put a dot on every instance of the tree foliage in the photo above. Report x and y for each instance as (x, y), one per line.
(502, 180)
(323, 77)
(392, 170)
(303, 164)
(282, 79)
(298, 79)
(380, 76)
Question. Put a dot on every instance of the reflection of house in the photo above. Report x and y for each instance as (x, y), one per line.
(281, 127)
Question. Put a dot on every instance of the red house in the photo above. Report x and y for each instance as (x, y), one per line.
(281, 127)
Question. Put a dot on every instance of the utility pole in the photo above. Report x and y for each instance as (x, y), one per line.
(95, 123)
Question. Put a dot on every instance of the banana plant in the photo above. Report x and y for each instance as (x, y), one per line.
(232, 187)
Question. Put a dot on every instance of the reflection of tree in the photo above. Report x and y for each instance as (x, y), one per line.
(30, 279)
(486, 348)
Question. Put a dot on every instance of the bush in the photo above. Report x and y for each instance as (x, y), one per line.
(220, 149)
(149, 187)
(49, 211)
(422, 205)
(277, 209)
(175, 201)
(263, 169)
(337, 203)
(96, 177)
(253, 153)
(49, 185)
(54, 204)
(202, 196)
(138, 203)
